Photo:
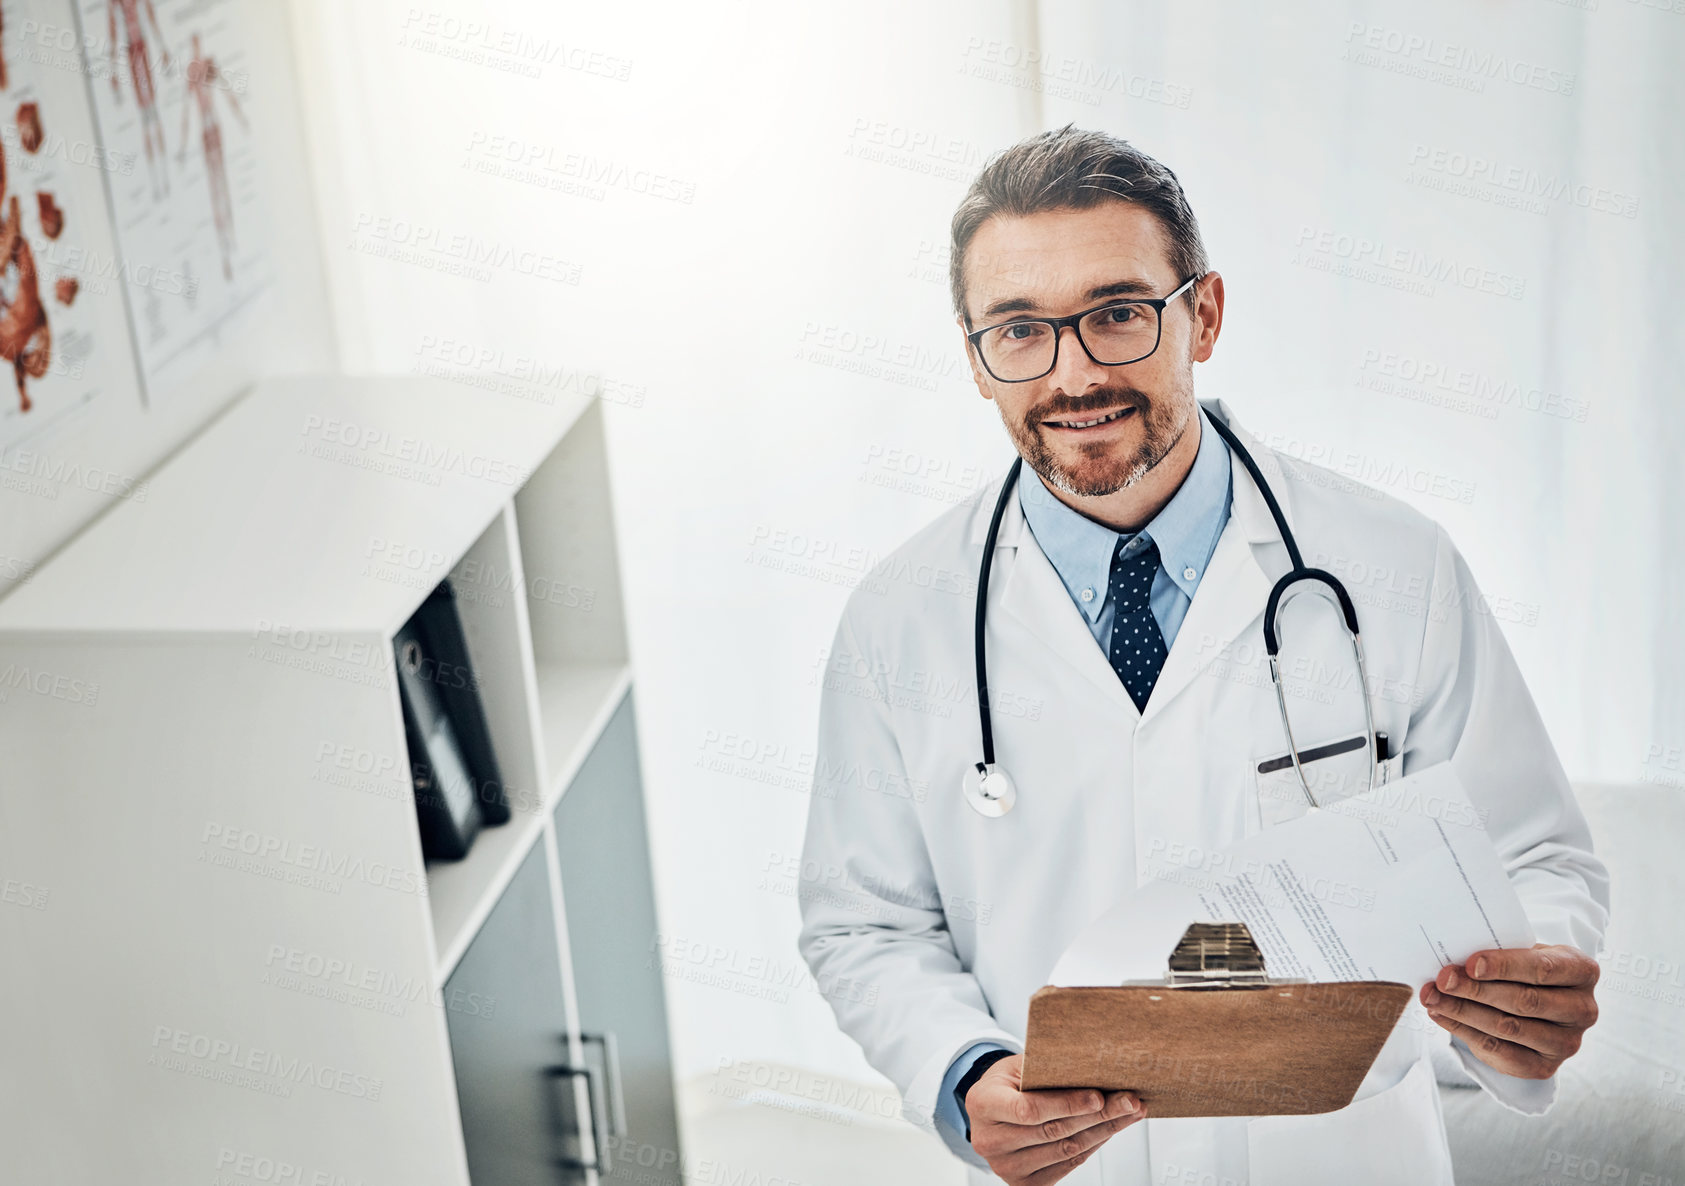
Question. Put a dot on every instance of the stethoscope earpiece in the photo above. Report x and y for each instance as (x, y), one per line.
(989, 789)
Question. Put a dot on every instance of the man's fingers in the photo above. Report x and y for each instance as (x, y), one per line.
(1026, 1160)
(1569, 1006)
(1053, 1173)
(1548, 1038)
(1495, 1052)
(1542, 963)
(1003, 1137)
(1081, 1142)
(998, 1097)
(1120, 1105)
(1038, 1107)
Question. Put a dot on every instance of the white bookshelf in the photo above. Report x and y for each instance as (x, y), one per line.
(202, 763)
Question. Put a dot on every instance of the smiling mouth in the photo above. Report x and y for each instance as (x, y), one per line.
(1107, 418)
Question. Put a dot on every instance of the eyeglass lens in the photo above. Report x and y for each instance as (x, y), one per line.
(1114, 334)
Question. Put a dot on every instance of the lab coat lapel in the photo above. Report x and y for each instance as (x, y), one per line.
(1231, 595)
(1032, 595)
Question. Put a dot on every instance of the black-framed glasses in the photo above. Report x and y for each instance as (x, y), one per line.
(1113, 334)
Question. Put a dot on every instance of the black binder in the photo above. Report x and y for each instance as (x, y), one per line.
(460, 687)
(453, 770)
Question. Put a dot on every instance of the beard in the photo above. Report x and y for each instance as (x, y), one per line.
(1102, 467)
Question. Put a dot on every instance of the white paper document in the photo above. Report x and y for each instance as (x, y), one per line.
(1388, 885)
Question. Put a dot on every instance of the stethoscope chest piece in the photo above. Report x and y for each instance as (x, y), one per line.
(989, 790)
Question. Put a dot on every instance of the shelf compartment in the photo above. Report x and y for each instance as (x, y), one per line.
(462, 893)
(564, 523)
(491, 603)
(539, 593)
(577, 700)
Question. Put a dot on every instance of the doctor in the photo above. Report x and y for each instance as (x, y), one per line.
(1132, 709)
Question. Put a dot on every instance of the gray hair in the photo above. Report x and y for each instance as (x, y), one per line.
(1071, 168)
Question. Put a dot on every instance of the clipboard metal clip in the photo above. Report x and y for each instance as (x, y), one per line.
(1216, 955)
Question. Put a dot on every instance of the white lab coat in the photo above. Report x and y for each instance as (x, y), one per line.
(928, 925)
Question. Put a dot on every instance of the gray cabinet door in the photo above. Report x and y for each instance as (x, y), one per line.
(507, 1019)
(603, 847)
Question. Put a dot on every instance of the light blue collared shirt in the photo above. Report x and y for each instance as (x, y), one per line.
(1186, 532)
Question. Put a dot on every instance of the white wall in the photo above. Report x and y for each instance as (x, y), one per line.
(787, 400)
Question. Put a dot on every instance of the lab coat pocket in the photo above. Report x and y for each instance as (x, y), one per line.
(1336, 769)
(1393, 1138)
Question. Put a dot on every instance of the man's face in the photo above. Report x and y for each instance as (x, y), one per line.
(1065, 261)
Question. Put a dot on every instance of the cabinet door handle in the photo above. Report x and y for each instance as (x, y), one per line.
(611, 1072)
(603, 1162)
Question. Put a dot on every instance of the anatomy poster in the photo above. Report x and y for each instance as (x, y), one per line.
(64, 342)
(169, 83)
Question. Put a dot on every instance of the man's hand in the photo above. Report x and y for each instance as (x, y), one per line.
(1520, 1012)
(1032, 1138)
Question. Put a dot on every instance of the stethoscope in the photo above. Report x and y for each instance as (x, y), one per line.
(989, 788)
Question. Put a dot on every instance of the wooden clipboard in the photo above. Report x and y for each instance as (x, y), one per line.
(1221, 1039)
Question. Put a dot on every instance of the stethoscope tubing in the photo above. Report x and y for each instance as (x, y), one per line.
(982, 612)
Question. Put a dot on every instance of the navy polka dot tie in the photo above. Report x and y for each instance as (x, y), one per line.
(1137, 651)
